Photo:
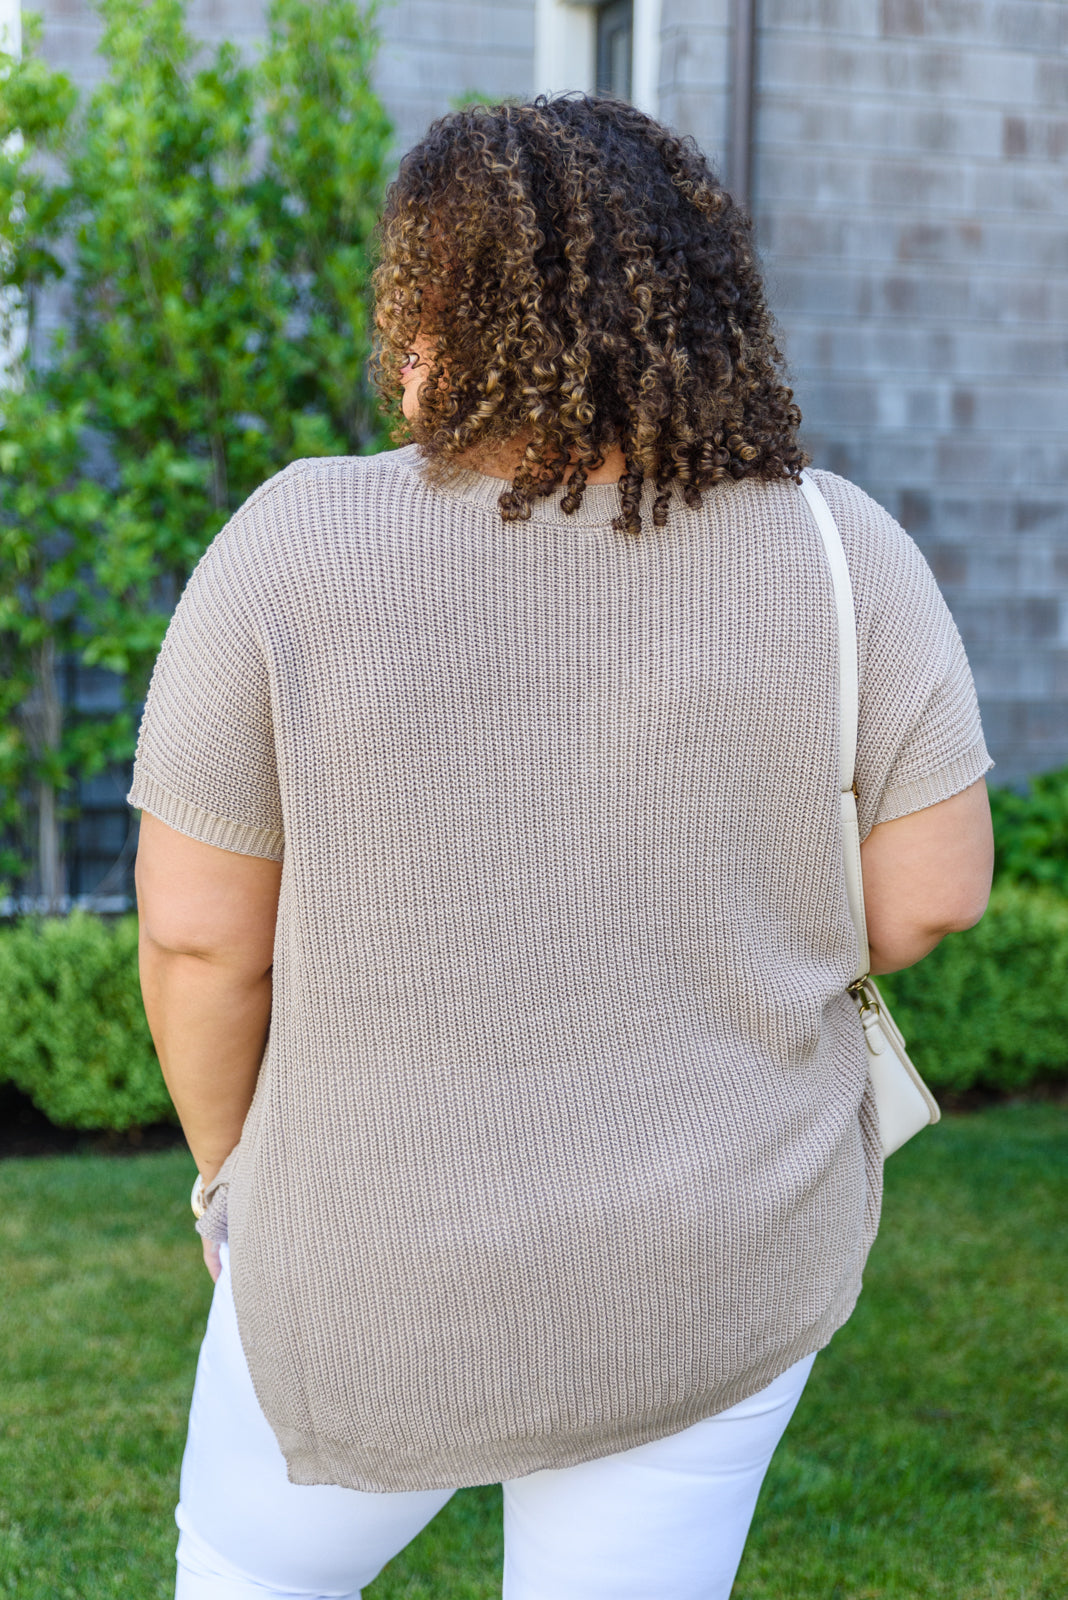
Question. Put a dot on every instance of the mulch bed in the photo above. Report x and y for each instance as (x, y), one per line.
(25, 1131)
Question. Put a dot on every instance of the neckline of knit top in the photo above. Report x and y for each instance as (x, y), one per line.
(601, 502)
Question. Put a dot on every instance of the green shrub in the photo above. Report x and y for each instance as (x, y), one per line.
(989, 1008)
(1031, 832)
(74, 1036)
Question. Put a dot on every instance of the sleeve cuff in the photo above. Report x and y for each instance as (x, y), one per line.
(902, 799)
(196, 823)
(213, 1224)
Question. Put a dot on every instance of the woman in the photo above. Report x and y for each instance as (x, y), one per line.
(497, 775)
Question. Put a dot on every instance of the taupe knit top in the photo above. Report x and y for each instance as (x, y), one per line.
(562, 1139)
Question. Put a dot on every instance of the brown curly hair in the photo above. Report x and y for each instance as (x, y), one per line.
(584, 282)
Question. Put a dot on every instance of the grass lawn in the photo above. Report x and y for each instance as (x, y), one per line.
(928, 1456)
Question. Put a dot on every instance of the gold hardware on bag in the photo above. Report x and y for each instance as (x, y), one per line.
(863, 995)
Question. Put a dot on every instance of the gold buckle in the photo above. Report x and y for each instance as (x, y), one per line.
(863, 995)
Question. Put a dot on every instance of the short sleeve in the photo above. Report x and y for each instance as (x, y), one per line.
(920, 738)
(205, 762)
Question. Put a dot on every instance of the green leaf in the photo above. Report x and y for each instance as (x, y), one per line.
(215, 220)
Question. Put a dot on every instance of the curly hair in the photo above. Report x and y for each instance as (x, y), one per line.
(584, 282)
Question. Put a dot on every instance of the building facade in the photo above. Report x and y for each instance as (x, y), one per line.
(906, 165)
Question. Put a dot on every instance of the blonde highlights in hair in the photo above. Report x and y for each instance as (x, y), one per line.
(584, 282)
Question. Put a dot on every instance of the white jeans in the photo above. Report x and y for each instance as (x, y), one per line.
(664, 1521)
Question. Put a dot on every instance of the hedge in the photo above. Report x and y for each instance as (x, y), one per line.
(987, 1009)
(73, 1035)
(1031, 832)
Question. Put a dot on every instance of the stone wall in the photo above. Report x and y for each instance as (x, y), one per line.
(71, 30)
(432, 50)
(695, 54)
(437, 50)
(909, 192)
(910, 203)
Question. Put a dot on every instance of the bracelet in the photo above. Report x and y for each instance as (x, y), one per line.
(197, 1200)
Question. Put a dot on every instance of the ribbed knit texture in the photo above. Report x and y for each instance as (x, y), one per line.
(562, 1139)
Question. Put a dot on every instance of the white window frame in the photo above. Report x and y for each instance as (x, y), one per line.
(645, 64)
(565, 49)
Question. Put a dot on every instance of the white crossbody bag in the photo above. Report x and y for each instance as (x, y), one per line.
(904, 1102)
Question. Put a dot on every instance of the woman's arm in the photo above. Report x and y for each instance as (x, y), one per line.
(926, 875)
(207, 941)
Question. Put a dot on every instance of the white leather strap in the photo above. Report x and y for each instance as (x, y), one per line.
(848, 711)
(848, 676)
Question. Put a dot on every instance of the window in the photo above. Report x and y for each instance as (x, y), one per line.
(612, 46)
(615, 48)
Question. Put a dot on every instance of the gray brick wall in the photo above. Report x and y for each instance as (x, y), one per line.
(909, 199)
(432, 50)
(910, 189)
(72, 30)
(694, 71)
(436, 50)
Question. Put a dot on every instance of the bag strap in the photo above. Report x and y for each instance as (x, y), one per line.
(848, 712)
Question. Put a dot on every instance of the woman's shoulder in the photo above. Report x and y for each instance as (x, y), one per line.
(779, 502)
(886, 565)
(894, 589)
(305, 508)
(866, 526)
(316, 478)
